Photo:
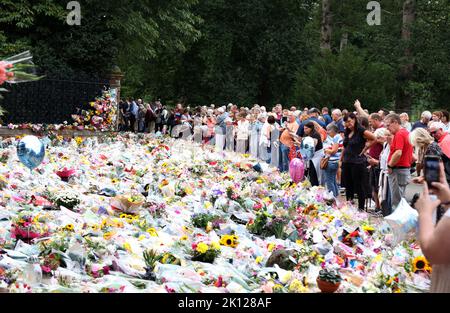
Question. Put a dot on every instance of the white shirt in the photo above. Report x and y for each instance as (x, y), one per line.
(384, 157)
(243, 130)
(263, 139)
(447, 127)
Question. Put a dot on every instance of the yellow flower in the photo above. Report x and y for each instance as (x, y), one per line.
(108, 235)
(209, 227)
(259, 181)
(95, 227)
(142, 223)
(259, 259)
(226, 240)
(277, 287)
(215, 245)
(152, 232)
(188, 190)
(78, 140)
(114, 181)
(286, 277)
(297, 287)
(368, 228)
(118, 224)
(69, 227)
(127, 247)
(123, 215)
(299, 241)
(202, 247)
(420, 263)
(183, 238)
(208, 204)
(164, 258)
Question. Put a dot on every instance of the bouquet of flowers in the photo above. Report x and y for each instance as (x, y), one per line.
(65, 173)
(68, 200)
(205, 252)
(157, 210)
(207, 221)
(127, 203)
(100, 116)
(27, 227)
(267, 225)
(17, 69)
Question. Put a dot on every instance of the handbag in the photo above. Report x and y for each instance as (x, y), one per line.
(324, 162)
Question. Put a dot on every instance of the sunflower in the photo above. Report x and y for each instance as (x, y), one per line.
(152, 232)
(108, 235)
(420, 263)
(69, 227)
(123, 215)
(309, 209)
(184, 238)
(229, 241)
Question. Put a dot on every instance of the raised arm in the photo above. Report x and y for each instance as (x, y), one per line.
(360, 110)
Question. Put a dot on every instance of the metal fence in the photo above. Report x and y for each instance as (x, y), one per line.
(48, 100)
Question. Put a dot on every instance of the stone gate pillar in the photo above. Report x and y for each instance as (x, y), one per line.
(115, 79)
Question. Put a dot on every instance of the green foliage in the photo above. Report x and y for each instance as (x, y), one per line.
(253, 51)
(337, 80)
(331, 276)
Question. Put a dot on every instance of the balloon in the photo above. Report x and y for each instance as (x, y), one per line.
(297, 170)
(307, 148)
(31, 152)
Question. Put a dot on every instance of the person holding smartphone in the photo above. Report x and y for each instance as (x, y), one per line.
(434, 239)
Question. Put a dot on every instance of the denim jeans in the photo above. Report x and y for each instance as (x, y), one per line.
(284, 160)
(330, 177)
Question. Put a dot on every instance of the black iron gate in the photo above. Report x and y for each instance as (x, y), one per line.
(48, 100)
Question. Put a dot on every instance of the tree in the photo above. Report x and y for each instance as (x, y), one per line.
(325, 42)
(404, 99)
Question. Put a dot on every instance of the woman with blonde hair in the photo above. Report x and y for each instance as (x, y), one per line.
(424, 144)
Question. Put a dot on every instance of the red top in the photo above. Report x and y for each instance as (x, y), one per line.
(401, 142)
(376, 150)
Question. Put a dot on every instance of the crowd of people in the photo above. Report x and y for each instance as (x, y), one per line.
(369, 155)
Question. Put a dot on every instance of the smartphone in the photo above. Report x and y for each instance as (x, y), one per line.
(432, 169)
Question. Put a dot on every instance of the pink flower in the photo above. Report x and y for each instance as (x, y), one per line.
(46, 269)
(106, 270)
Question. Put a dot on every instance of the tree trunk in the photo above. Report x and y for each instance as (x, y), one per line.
(344, 41)
(404, 99)
(325, 41)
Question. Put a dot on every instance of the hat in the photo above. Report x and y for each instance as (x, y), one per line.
(313, 110)
(220, 110)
